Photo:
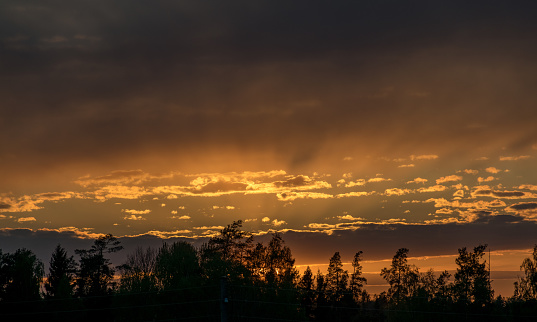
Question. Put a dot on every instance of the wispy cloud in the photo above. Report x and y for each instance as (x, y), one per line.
(514, 158)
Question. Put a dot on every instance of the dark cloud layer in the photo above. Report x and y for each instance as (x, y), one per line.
(382, 241)
(376, 241)
(98, 80)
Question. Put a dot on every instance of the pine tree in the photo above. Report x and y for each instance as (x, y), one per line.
(61, 276)
(96, 273)
(336, 279)
(357, 280)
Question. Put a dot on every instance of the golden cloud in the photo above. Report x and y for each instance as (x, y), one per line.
(514, 158)
(450, 178)
(418, 180)
(435, 188)
(26, 219)
(424, 157)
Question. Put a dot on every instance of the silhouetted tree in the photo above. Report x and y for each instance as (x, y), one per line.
(227, 253)
(280, 264)
(61, 276)
(526, 287)
(357, 280)
(21, 274)
(402, 277)
(96, 273)
(337, 279)
(472, 279)
(306, 285)
(177, 265)
(138, 272)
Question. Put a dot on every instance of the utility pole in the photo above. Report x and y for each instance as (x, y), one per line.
(223, 299)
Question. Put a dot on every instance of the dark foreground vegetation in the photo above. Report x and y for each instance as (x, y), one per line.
(232, 278)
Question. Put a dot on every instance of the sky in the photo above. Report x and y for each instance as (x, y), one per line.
(357, 125)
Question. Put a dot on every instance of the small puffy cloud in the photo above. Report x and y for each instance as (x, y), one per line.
(25, 219)
(174, 212)
(136, 212)
(349, 217)
(224, 207)
(181, 217)
(277, 223)
(424, 157)
(493, 170)
(347, 175)
(514, 158)
(347, 158)
(359, 182)
(450, 178)
(397, 191)
(133, 217)
(378, 179)
(435, 188)
(470, 171)
(411, 165)
(444, 211)
(265, 219)
(418, 180)
(528, 186)
(172, 196)
(355, 194)
(459, 193)
(487, 179)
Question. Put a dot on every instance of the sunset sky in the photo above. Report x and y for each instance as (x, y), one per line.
(356, 125)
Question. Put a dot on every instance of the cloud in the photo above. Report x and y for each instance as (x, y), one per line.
(406, 165)
(119, 192)
(121, 177)
(359, 182)
(26, 219)
(181, 217)
(470, 171)
(524, 206)
(487, 179)
(377, 179)
(500, 194)
(136, 212)
(349, 217)
(278, 223)
(134, 217)
(265, 219)
(397, 191)
(435, 188)
(418, 180)
(450, 178)
(424, 157)
(528, 186)
(290, 196)
(514, 158)
(355, 194)
(493, 170)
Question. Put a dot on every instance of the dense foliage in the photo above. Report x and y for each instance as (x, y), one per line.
(231, 278)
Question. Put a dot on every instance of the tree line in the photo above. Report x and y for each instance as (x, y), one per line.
(244, 280)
